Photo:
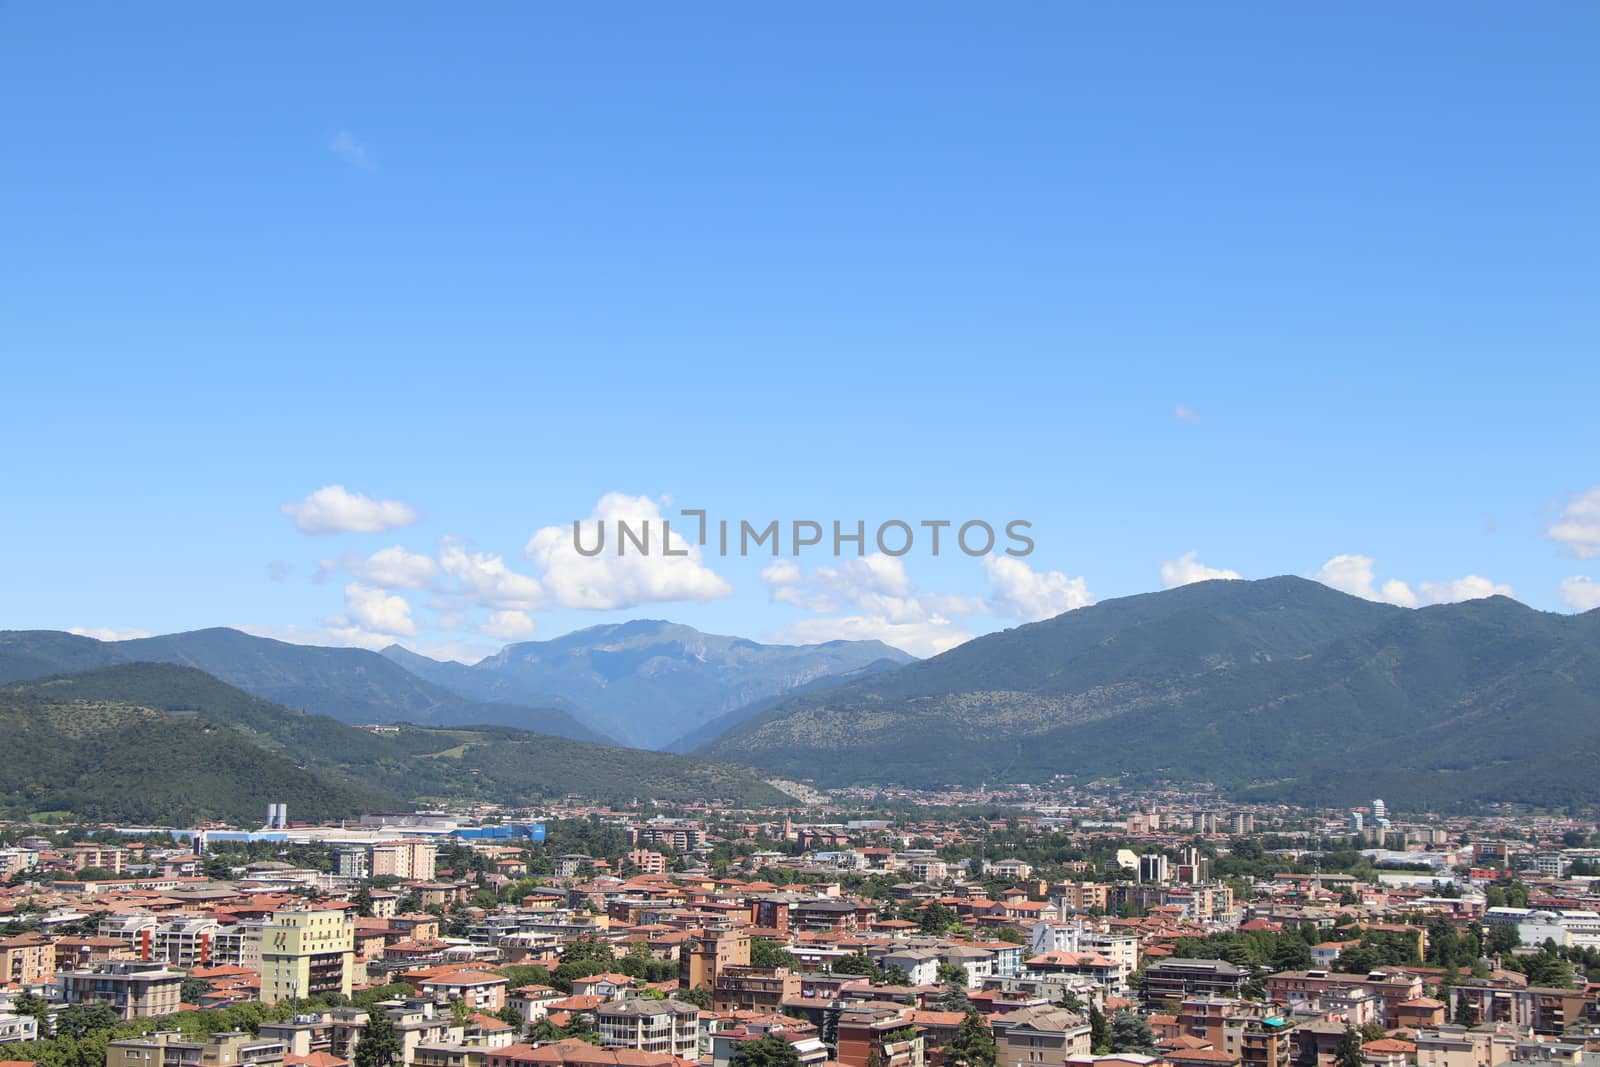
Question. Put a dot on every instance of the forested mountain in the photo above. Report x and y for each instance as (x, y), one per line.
(350, 684)
(161, 743)
(1281, 688)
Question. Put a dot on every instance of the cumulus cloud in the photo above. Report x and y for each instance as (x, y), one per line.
(610, 581)
(872, 597)
(1354, 574)
(1579, 525)
(1018, 591)
(508, 625)
(334, 509)
(377, 610)
(484, 579)
(393, 568)
(106, 633)
(1581, 592)
(877, 584)
(345, 147)
(1187, 569)
(882, 602)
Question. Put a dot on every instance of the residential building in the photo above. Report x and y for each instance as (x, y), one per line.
(26, 958)
(1176, 978)
(170, 1049)
(889, 1030)
(670, 1027)
(305, 953)
(482, 991)
(764, 989)
(14, 1027)
(132, 990)
(701, 960)
(1040, 1035)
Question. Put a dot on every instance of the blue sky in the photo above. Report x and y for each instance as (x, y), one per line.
(1285, 289)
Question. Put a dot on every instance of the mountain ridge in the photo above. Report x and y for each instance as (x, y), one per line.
(679, 676)
(164, 742)
(1280, 688)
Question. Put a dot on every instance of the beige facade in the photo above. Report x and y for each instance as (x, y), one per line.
(133, 990)
(305, 953)
(169, 1049)
(1040, 1035)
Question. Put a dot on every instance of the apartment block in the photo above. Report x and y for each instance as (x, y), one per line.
(305, 953)
(132, 990)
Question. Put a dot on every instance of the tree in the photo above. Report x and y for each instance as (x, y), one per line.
(766, 953)
(857, 962)
(1349, 1054)
(1099, 1032)
(79, 1020)
(379, 1045)
(31, 1004)
(937, 918)
(363, 902)
(771, 1050)
(973, 1045)
(894, 974)
(699, 996)
(1131, 1033)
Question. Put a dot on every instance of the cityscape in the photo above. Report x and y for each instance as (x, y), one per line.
(871, 535)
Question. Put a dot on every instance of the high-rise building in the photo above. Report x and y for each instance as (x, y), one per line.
(1153, 867)
(305, 953)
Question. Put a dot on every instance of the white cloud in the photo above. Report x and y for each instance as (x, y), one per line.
(508, 625)
(1187, 569)
(334, 509)
(393, 568)
(106, 633)
(484, 578)
(1472, 587)
(377, 610)
(609, 581)
(1354, 574)
(1581, 592)
(1018, 591)
(876, 584)
(345, 146)
(1579, 525)
(928, 637)
(1185, 413)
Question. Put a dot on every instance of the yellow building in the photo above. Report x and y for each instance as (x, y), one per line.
(304, 953)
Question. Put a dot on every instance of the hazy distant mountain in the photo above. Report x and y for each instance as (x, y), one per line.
(349, 684)
(647, 682)
(1282, 688)
(164, 744)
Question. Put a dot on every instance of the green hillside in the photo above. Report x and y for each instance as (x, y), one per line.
(1279, 688)
(355, 769)
(352, 685)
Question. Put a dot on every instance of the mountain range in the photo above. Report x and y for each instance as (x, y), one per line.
(161, 744)
(1277, 689)
(647, 682)
(642, 683)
